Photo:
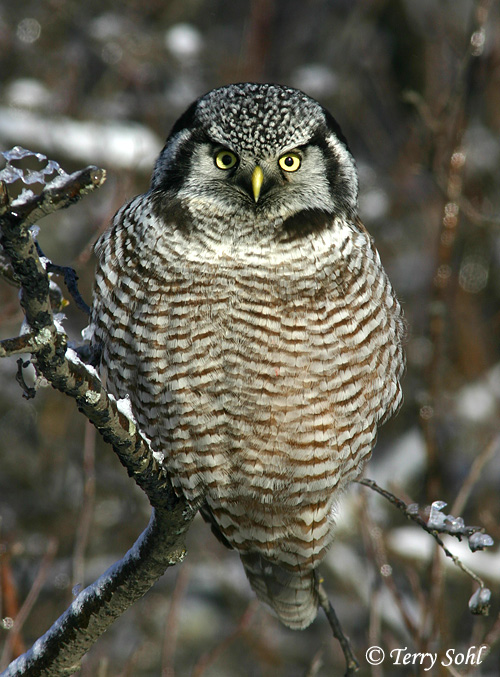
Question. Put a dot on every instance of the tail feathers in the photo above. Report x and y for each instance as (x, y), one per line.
(291, 594)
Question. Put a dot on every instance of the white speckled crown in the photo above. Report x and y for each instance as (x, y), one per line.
(259, 118)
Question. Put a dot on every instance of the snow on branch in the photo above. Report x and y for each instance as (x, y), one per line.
(161, 545)
(435, 522)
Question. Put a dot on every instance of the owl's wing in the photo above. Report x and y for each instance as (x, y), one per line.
(210, 519)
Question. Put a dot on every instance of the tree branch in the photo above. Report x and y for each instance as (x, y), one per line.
(161, 545)
(351, 661)
(60, 650)
(437, 523)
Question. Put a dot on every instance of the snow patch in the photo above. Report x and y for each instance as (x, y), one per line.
(124, 406)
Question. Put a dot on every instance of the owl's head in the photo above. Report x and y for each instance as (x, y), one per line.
(259, 149)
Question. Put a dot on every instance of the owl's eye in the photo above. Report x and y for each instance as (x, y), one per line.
(225, 159)
(290, 162)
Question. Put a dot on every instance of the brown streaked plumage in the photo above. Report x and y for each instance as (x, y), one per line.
(254, 329)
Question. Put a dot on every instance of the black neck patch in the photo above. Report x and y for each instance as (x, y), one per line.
(305, 222)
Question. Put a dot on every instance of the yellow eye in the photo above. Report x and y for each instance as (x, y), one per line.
(290, 162)
(225, 159)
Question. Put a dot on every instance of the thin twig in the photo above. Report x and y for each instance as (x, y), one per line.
(448, 131)
(415, 517)
(453, 672)
(28, 391)
(379, 554)
(87, 509)
(492, 637)
(474, 473)
(30, 600)
(9, 602)
(209, 658)
(352, 664)
(375, 625)
(70, 279)
(172, 623)
(316, 664)
(435, 621)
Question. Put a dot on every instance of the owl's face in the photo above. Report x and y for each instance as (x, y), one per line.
(258, 152)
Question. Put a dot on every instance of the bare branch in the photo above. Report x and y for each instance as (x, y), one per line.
(58, 194)
(476, 605)
(209, 658)
(352, 664)
(49, 347)
(60, 650)
(475, 471)
(17, 346)
(161, 545)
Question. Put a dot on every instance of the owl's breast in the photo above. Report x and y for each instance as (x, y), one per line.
(247, 373)
(257, 368)
(260, 374)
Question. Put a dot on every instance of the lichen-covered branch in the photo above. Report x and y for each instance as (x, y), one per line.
(48, 346)
(59, 651)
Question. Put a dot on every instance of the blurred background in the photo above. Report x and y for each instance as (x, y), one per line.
(415, 86)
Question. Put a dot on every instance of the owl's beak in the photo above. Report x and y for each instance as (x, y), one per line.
(257, 180)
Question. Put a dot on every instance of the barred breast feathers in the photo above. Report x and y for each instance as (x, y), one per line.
(340, 260)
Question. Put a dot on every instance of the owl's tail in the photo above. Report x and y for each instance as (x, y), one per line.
(292, 595)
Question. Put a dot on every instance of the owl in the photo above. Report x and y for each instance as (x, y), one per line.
(242, 307)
